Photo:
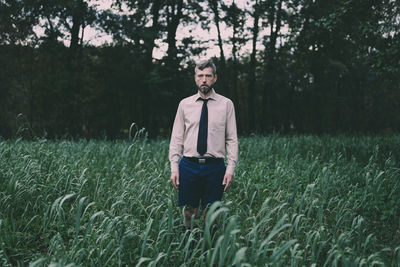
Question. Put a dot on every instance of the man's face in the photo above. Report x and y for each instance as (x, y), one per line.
(205, 80)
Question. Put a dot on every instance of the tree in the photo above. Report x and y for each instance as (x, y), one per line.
(214, 4)
(17, 19)
(274, 23)
(235, 18)
(67, 18)
(251, 116)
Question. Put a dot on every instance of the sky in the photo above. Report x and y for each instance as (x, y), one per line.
(95, 37)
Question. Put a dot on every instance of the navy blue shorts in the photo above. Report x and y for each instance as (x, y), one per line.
(200, 184)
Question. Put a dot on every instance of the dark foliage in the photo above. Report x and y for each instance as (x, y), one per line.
(325, 67)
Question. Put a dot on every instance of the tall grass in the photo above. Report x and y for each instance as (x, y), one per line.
(296, 201)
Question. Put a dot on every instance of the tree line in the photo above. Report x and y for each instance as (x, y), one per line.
(314, 66)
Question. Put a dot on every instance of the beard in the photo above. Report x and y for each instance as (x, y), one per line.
(205, 89)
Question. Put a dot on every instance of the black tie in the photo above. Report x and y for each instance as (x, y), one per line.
(203, 129)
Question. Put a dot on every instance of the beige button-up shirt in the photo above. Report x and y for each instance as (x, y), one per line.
(222, 132)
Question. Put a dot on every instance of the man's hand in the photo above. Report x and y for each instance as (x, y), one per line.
(175, 179)
(228, 180)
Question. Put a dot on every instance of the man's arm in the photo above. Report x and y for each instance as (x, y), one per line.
(232, 148)
(176, 145)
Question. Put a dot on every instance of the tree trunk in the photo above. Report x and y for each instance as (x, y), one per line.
(214, 8)
(274, 34)
(235, 71)
(77, 22)
(252, 71)
(149, 42)
(270, 104)
(173, 20)
(144, 98)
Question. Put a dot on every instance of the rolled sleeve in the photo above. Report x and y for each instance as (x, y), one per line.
(176, 143)
(231, 140)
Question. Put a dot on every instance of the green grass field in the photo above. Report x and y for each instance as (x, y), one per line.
(296, 201)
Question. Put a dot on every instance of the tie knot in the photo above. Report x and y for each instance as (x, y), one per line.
(205, 100)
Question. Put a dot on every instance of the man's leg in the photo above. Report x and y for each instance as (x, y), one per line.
(190, 213)
(190, 190)
(213, 174)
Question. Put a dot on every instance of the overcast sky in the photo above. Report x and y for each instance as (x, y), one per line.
(94, 37)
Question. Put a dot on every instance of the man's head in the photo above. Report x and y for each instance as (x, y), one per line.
(205, 76)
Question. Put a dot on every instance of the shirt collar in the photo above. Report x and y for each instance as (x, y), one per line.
(212, 96)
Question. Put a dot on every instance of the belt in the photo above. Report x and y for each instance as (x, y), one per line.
(204, 160)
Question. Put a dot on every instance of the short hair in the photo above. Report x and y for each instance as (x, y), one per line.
(206, 63)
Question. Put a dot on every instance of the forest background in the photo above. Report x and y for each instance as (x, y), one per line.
(312, 66)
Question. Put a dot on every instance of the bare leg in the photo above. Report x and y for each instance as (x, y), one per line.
(189, 212)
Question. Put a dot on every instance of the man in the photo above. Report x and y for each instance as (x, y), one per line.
(204, 127)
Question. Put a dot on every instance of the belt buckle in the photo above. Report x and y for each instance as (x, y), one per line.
(202, 161)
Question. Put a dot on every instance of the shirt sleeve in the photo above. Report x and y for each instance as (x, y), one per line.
(231, 140)
(176, 143)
